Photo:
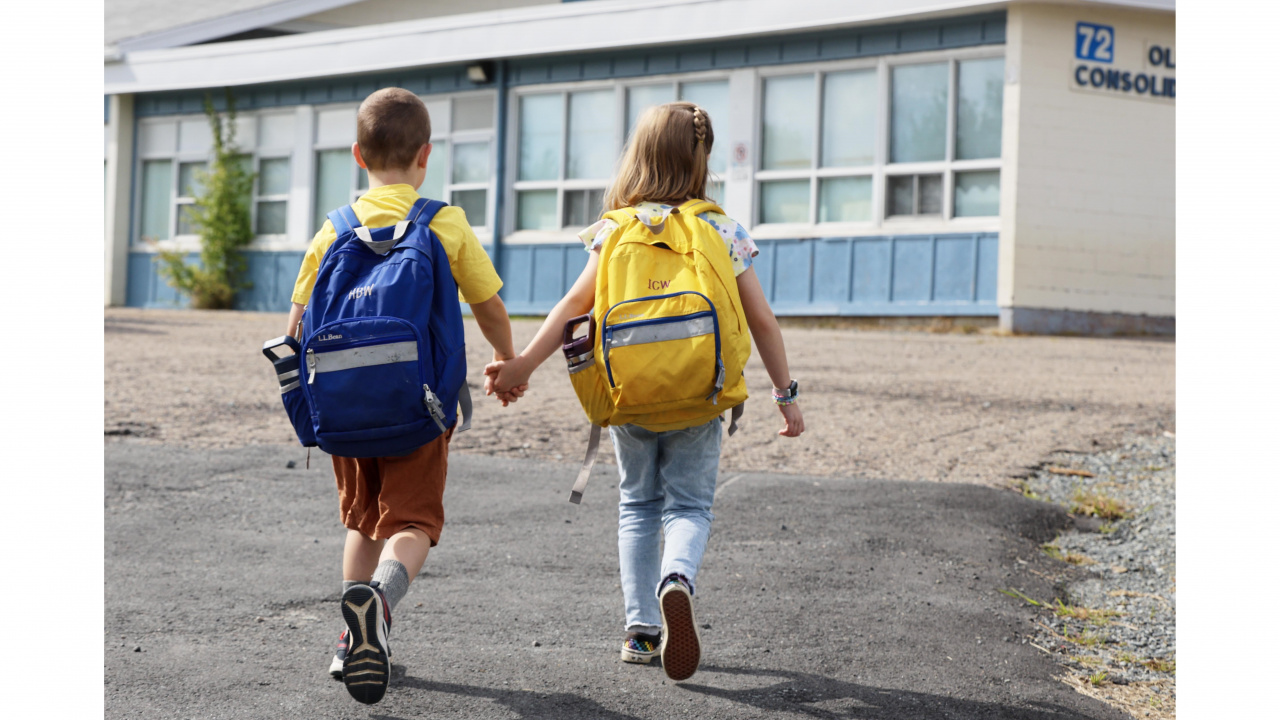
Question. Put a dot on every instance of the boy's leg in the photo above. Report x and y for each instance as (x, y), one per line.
(400, 561)
(639, 525)
(359, 557)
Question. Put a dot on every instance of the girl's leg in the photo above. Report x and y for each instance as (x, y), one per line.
(639, 525)
(688, 463)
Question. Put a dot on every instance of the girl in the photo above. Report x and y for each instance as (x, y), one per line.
(668, 479)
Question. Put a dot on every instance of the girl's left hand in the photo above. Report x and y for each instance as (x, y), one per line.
(795, 420)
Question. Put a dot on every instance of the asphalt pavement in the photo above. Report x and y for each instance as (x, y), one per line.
(818, 597)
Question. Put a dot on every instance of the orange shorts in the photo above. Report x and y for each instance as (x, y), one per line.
(379, 497)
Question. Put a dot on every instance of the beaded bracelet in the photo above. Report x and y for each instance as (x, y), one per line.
(784, 400)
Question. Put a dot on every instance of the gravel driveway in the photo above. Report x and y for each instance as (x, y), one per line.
(878, 404)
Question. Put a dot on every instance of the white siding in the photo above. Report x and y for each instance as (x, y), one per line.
(1088, 184)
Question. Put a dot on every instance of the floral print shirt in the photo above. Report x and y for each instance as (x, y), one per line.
(741, 247)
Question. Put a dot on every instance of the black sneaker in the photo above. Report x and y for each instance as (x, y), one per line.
(366, 667)
(339, 655)
(681, 645)
(640, 647)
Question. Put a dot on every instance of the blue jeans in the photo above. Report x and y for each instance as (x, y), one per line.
(668, 484)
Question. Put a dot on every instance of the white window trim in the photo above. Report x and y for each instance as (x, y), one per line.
(562, 184)
(880, 222)
(441, 132)
(191, 243)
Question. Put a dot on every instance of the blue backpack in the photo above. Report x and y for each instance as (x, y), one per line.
(382, 366)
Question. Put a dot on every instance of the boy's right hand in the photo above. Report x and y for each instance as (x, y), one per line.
(509, 379)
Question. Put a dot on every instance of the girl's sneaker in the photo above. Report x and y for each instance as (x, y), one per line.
(640, 647)
(681, 645)
(366, 668)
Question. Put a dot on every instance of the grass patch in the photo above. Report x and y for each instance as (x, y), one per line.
(1024, 487)
(1097, 678)
(1162, 665)
(1097, 617)
(1015, 594)
(1100, 505)
(1056, 553)
(1087, 661)
(1086, 639)
(1126, 658)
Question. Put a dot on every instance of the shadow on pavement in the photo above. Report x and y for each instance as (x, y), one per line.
(525, 703)
(798, 692)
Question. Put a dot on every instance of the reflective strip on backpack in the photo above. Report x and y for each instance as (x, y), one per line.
(366, 356)
(622, 336)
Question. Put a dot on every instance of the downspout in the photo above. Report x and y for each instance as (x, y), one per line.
(500, 169)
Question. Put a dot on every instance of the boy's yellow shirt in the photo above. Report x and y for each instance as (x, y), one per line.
(388, 205)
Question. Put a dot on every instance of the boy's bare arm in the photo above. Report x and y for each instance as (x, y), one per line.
(491, 316)
(578, 301)
(295, 317)
(768, 337)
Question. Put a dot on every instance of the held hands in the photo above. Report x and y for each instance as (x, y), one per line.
(508, 379)
(795, 421)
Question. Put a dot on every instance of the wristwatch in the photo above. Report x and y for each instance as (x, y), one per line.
(788, 396)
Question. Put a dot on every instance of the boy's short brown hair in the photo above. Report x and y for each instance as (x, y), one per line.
(391, 126)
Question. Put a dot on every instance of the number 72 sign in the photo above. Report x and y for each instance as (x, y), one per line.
(1095, 42)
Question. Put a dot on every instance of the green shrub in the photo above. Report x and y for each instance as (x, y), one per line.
(221, 218)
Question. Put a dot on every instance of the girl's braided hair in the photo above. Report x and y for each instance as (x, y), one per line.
(666, 157)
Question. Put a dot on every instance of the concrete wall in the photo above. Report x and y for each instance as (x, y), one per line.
(1088, 177)
(119, 174)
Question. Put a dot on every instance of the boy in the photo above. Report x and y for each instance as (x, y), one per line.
(392, 506)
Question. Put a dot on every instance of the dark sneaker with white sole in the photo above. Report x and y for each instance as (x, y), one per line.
(339, 655)
(366, 667)
(640, 647)
(681, 644)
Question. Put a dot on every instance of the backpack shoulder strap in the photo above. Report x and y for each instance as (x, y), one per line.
(424, 211)
(622, 217)
(697, 207)
(344, 220)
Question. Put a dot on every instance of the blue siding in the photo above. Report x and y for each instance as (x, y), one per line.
(272, 275)
(451, 78)
(953, 274)
(984, 29)
(905, 275)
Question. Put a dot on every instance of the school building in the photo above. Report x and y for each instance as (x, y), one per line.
(931, 158)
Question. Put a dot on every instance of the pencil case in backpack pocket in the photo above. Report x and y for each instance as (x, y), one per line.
(288, 374)
(584, 373)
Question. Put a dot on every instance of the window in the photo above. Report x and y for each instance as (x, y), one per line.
(175, 154)
(567, 153)
(856, 143)
(946, 121)
(818, 147)
(459, 169)
(189, 185)
(157, 183)
(275, 174)
(568, 145)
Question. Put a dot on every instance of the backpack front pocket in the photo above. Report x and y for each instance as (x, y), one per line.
(663, 362)
(366, 374)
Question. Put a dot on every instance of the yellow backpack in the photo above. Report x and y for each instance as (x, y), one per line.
(667, 339)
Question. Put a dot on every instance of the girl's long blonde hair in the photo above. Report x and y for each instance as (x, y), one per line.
(666, 159)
